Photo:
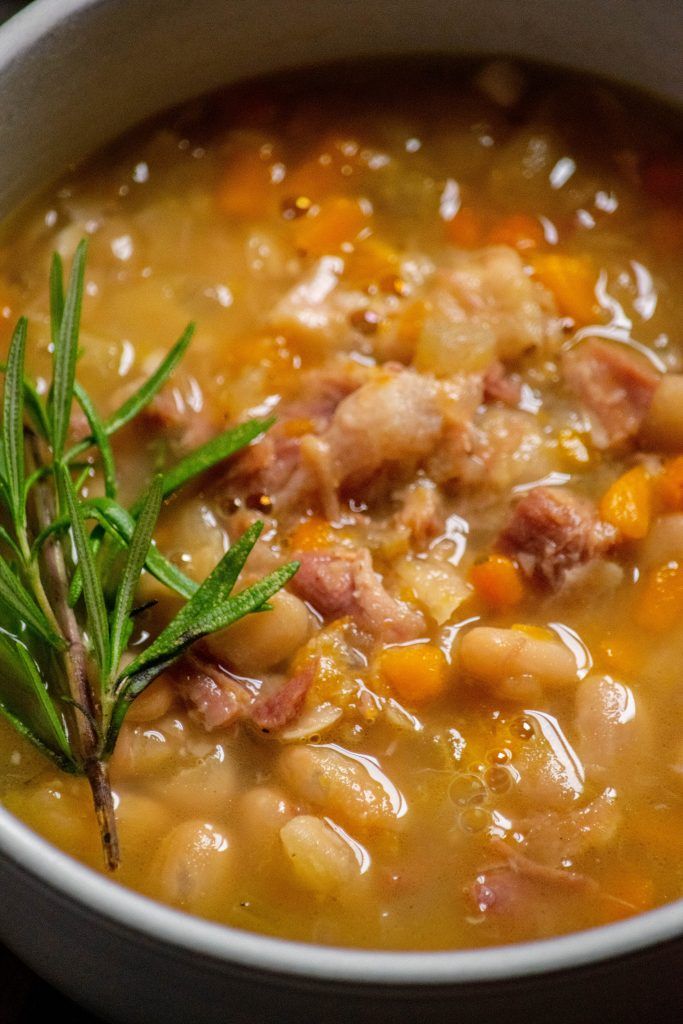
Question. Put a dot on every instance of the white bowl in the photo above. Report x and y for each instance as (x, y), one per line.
(74, 74)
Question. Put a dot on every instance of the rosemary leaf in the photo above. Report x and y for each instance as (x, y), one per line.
(56, 298)
(93, 595)
(121, 525)
(144, 395)
(65, 355)
(10, 542)
(214, 451)
(63, 761)
(17, 598)
(130, 577)
(101, 439)
(13, 425)
(18, 659)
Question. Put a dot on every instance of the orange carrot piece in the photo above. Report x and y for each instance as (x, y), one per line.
(497, 581)
(572, 280)
(465, 229)
(312, 534)
(627, 504)
(328, 227)
(518, 230)
(417, 673)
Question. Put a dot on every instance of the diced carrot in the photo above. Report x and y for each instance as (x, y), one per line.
(627, 504)
(465, 229)
(536, 632)
(628, 891)
(246, 189)
(572, 280)
(410, 324)
(497, 581)
(326, 169)
(660, 601)
(297, 427)
(518, 230)
(417, 673)
(312, 534)
(670, 485)
(327, 227)
(371, 262)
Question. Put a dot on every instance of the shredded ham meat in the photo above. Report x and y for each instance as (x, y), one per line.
(551, 531)
(616, 387)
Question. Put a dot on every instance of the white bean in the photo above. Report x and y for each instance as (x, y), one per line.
(205, 788)
(664, 542)
(515, 665)
(262, 811)
(663, 426)
(263, 640)
(320, 858)
(192, 867)
(608, 723)
(334, 781)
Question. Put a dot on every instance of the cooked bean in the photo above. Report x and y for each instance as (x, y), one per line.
(146, 749)
(664, 542)
(608, 723)
(262, 641)
(663, 424)
(262, 811)
(513, 664)
(153, 702)
(141, 821)
(203, 788)
(353, 790)
(322, 861)
(193, 862)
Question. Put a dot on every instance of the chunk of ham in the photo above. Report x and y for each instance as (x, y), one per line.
(213, 698)
(377, 434)
(396, 418)
(552, 838)
(527, 898)
(500, 386)
(282, 707)
(216, 700)
(551, 531)
(342, 582)
(616, 387)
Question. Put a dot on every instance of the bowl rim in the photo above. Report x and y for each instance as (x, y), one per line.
(49, 867)
(52, 868)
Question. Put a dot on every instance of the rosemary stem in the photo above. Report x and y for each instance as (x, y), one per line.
(76, 666)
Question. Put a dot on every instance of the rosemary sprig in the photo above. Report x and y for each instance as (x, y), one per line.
(65, 624)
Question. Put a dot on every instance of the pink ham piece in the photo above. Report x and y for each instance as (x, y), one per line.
(552, 531)
(616, 388)
(282, 707)
(343, 582)
(500, 386)
(217, 701)
(214, 700)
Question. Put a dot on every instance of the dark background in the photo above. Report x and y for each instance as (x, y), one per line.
(24, 999)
